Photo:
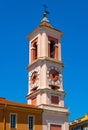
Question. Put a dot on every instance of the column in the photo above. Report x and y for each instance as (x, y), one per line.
(56, 51)
(48, 48)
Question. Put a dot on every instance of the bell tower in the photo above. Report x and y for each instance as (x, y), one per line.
(45, 83)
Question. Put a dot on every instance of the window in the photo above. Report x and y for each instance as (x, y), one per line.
(85, 127)
(55, 127)
(77, 128)
(13, 121)
(54, 100)
(30, 122)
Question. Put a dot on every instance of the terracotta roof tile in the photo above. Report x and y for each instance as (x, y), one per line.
(4, 101)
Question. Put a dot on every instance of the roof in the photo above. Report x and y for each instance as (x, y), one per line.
(80, 120)
(5, 102)
(45, 24)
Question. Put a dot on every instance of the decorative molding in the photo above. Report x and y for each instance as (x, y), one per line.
(49, 42)
(37, 43)
(45, 59)
(56, 45)
(33, 48)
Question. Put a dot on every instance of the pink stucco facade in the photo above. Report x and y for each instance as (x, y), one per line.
(45, 88)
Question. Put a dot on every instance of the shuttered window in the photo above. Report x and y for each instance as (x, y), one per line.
(13, 121)
(54, 100)
(30, 122)
(55, 127)
(34, 101)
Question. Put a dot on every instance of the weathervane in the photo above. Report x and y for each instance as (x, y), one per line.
(45, 11)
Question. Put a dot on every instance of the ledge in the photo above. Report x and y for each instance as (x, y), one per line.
(44, 58)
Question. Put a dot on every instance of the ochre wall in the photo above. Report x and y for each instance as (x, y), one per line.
(1, 120)
(22, 118)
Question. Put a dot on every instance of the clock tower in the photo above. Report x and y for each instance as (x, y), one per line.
(45, 77)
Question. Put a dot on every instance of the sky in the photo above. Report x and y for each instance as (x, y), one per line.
(20, 17)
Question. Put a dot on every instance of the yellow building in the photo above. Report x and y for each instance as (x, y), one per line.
(79, 124)
(16, 116)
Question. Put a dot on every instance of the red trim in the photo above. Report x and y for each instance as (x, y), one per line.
(55, 127)
(33, 102)
(34, 51)
(52, 39)
(54, 100)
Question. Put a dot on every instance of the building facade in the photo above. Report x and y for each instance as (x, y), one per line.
(16, 116)
(45, 109)
(45, 89)
(79, 124)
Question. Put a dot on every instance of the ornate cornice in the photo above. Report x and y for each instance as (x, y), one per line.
(44, 27)
(44, 58)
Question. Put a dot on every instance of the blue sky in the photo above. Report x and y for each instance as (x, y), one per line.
(20, 17)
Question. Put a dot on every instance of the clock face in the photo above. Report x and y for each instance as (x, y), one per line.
(54, 76)
(34, 78)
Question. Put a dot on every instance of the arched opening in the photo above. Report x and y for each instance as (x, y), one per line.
(35, 51)
(52, 49)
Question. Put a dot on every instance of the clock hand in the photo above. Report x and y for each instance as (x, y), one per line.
(54, 74)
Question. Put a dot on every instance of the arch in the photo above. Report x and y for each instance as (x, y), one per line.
(53, 47)
(34, 50)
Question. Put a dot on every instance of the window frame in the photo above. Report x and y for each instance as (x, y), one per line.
(55, 123)
(33, 122)
(77, 128)
(15, 120)
(55, 102)
(85, 127)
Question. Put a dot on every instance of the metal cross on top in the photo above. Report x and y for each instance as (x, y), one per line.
(45, 11)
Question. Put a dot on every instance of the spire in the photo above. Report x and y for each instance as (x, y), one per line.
(45, 20)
